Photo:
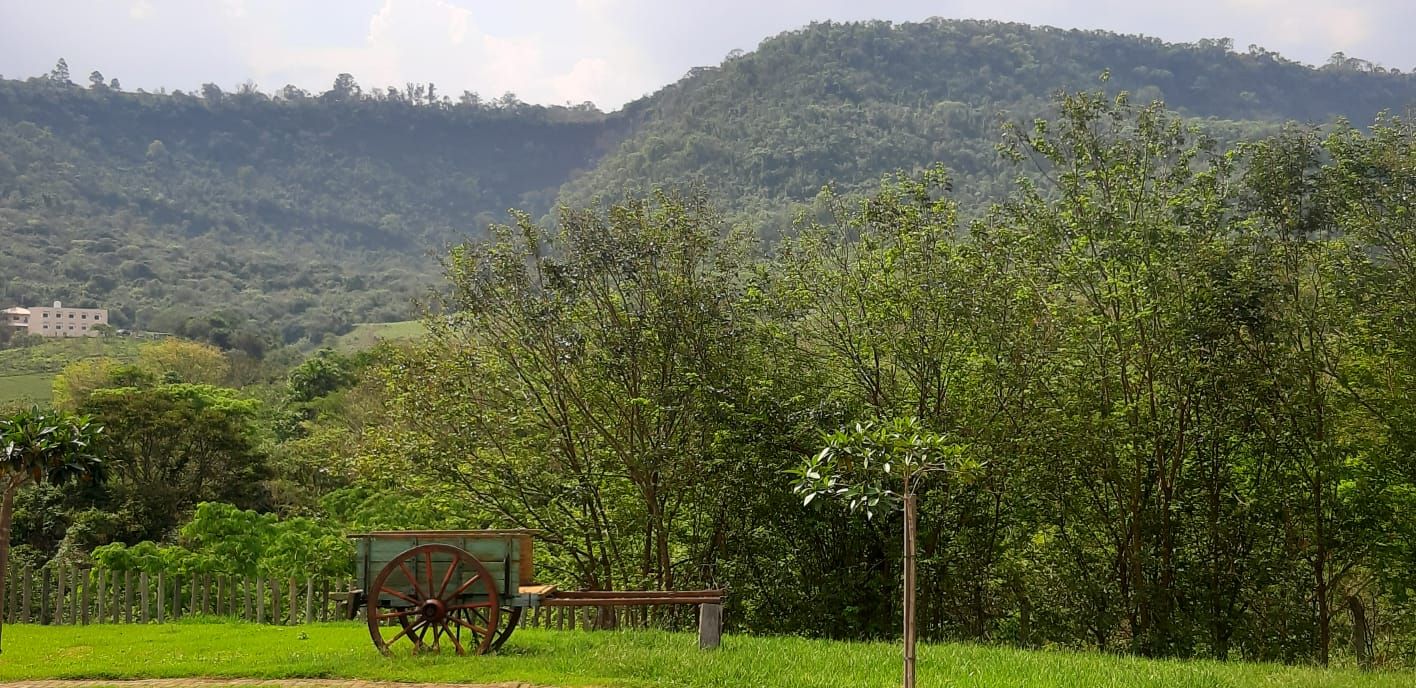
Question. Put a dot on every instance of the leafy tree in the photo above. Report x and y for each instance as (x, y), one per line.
(41, 446)
(178, 360)
(319, 375)
(175, 445)
(872, 466)
(60, 73)
(584, 373)
(79, 379)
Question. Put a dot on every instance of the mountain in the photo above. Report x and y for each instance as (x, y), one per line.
(847, 103)
(291, 216)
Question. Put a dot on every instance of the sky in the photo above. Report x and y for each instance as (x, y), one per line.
(570, 51)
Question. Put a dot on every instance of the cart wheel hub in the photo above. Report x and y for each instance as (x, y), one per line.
(434, 610)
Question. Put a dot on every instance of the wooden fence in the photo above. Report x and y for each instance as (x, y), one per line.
(58, 594)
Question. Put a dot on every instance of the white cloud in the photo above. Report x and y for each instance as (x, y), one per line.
(140, 9)
(1300, 22)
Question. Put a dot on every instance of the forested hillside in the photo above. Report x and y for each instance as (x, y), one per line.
(241, 213)
(847, 103)
(251, 219)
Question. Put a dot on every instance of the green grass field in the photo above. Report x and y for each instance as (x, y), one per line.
(27, 373)
(605, 659)
(366, 335)
(29, 388)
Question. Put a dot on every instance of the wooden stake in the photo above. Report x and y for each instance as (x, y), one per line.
(294, 604)
(28, 590)
(74, 595)
(143, 586)
(275, 601)
(102, 595)
(88, 594)
(710, 626)
(128, 596)
(59, 601)
(44, 596)
(161, 597)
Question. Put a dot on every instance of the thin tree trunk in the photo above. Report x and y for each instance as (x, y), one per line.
(1361, 633)
(7, 508)
(909, 596)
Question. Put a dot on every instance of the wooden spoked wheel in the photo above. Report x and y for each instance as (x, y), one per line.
(508, 625)
(432, 594)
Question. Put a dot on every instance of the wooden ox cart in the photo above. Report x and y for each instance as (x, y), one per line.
(468, 588)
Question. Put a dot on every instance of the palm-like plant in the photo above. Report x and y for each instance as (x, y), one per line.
(35, 446)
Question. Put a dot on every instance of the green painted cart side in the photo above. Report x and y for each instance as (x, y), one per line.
(507, 554)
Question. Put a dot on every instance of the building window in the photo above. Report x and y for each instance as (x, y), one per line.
(71, 316)
(84, 316)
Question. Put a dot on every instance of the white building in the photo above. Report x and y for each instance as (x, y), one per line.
(16, 319)
(56, 321)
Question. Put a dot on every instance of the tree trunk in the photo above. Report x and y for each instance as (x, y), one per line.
(909, 592)
(1361, 633)
(7, 508)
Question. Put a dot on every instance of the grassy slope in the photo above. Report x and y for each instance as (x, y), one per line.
(607, 659)
(366, 335)
(27, 373)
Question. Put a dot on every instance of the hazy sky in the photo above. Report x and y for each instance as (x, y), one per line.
(607, 51)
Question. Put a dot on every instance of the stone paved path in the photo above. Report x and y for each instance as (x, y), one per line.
(247, 683)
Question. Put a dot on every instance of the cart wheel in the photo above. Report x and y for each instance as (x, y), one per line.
(507, 626)
(452, 597)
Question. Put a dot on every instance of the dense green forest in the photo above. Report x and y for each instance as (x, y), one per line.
(253, 218)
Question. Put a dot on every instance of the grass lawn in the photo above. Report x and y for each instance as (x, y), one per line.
(605, 659)
(366, 335)
(28, 388)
